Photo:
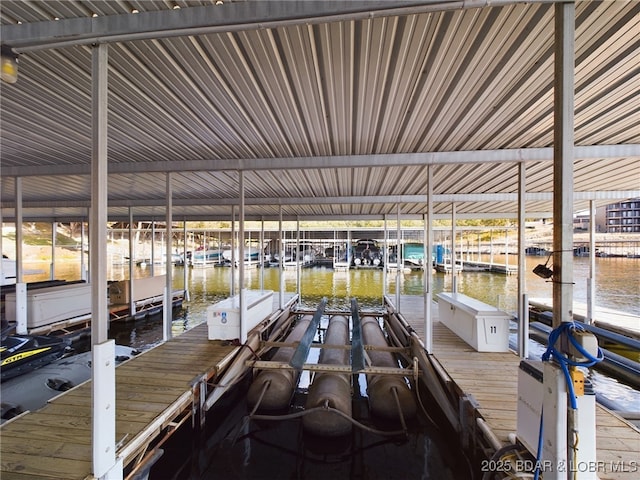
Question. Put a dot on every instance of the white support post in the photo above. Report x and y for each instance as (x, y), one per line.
(261, 254)
(83, 270)
(234, 258)
(523, 310)
(281, 259)
(454, 276)
(19, 232)
(399, 257)
(591, 281)
(524, 326)
(52, 267)
(563, 156)
(243, 291)
(298, 259)
(21, 287)
(21, 309)
(104, 408)
(185, 265)
(132, 303)
(428, 331)
(385, 265)
(167, 316)
(152, 269)
(103, 364)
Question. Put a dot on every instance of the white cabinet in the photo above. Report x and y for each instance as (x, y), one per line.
(223, 318)
(482, 326)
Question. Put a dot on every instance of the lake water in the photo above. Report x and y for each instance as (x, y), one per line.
(617, 283)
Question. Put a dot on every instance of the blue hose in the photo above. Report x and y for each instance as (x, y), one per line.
(566, 328)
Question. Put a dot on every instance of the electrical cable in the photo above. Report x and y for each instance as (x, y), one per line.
(302, 413)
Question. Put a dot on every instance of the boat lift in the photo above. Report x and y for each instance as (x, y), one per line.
(290, 361)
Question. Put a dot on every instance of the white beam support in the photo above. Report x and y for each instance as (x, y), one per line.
(591, 281)
(399, 256)
(132, 250)
(428, 331)
(185, 268)
(21, 287)
(52, 267)
(103, 350)
(167, 316)
(234, 255)
(454, 276)
(241, 261)
(595, 152)
(281, 261)
(563, 144)
(523, 308)
(19, 233)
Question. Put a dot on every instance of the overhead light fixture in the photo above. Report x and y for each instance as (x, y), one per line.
(543, 271)
(9, 64)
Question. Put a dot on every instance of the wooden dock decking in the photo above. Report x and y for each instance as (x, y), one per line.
(154, 391)
(492, 380)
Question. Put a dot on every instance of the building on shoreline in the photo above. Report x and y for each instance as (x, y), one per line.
(619, 217)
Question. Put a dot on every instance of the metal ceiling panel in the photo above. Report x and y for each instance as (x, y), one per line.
(380, 86)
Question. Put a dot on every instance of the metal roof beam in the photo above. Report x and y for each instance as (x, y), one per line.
(287, 218)
(234, 16)
(339, 161)
(353, 200)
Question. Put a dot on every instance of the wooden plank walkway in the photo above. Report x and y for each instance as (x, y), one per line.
(492, 380)
(153, 390)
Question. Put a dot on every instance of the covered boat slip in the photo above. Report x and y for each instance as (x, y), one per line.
(485, 385)
(161, 389)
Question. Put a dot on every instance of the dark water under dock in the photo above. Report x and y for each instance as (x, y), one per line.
(234, 448)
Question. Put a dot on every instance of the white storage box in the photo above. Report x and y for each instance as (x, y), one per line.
(143, 288)
(223, 318)
(52, 304)
(482, 326)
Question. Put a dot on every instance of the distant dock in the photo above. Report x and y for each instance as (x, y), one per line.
(616, 321)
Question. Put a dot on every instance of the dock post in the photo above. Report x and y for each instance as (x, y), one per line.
(105, 464)
(21, 308)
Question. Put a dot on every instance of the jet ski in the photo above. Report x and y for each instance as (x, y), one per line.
(24, 353)
(32, 391)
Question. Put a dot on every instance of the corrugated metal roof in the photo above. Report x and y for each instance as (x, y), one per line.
(327, 115)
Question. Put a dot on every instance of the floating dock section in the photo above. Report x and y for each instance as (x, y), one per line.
(478, 393)
(156, 392)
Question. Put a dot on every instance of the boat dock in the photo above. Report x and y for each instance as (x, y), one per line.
(163, 388)
(155, 393)
(616, 321)
(486, 387)
(473, 266)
